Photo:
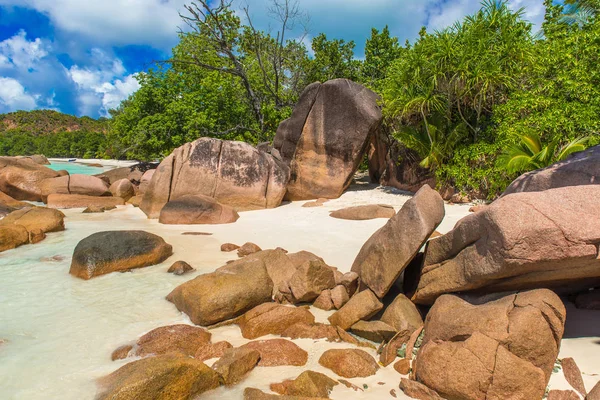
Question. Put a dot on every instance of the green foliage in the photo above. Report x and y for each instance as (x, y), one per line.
(332, 59)
(381, 50)
(40, 122)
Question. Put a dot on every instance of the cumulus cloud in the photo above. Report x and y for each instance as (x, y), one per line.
(19, 52)
(14, 97)
(101, 86)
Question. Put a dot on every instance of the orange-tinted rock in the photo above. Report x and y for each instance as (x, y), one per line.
(521, 241)
(402, 366)
(324, 301)
(375, 331)
(247, 249)
(389, 250)
(350, 281)
(123, 189)
(339, 296)
(417, 390)
(349, 363)
(359, 213)
(594, 394)
(82, 201)
(573, 375)
(326, 137)
(310, 279)
(257, 394)
(196, 209)
(272, 318)
(180, 268)
(499, 349)
(229, 247)
(361, 306)
(226, 293)
(28, 225)
(121, 352)
(235, 364)
(302, 257)
(212, 350)
(308, 384)
(402, 314)
(390, 350)
(277, 352)
(21, 178)
(12, 237)
(145, 181)
(105, 252)
(233, 173)
(166, 377)
(184, 339)
(135, 201)
(74, 184)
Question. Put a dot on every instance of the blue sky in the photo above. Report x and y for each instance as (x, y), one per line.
(80, 56)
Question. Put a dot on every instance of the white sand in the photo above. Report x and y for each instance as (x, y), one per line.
(106, 163)
(62, 330)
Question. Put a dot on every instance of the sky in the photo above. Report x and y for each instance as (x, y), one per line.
(80, 56)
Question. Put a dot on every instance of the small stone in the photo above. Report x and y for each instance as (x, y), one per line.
(310, 279)
(229, 247)
(417, 390)
(393, 393)
(390, 350)
(361, 306)
(324, 301)
(235, 364)
(93, 209)
(350, 385)
(247, 249)
(180, 268)
(197, 234)
(272, 318)
(402, 366)
(308, 384)
(349, 363)
(277, 352)
(121, 352)
(375, 331)
(212, 350)
(573, 375)
(350, 281)
(339, 296)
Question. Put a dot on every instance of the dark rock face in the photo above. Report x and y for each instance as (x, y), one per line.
(233, 173)
(581, 168)
(21, 178)
(197, 209)
(106, 252)
(324, 140)
(388, 251)
(521, 241)
(505, 348)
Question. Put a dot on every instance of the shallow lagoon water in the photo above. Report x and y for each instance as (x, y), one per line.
(75, 168)
(61, 330)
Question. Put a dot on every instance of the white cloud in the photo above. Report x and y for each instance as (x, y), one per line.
(102, 85)
(117, 22)
(13, 96)
(20, 52)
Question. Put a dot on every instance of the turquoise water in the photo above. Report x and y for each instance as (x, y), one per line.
(75, 168)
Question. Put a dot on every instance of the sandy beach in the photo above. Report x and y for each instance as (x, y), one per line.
(62, 330)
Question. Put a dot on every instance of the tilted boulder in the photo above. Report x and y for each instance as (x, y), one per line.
(402, 314)
(349, 363)
(362, 305)
(161, 377)
(272, 318)
(308, 384)
(21, 178)
(8, 204)
(29, 225)
(233, 173)
(389, 250)
(581, 168)
(505, 348)
(228, 292)
(326, 137)
(520, 241)
(75, 184)
(197, 209)
(105, 252)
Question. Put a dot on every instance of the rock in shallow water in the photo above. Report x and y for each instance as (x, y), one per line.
(106, 252)
(180, 268)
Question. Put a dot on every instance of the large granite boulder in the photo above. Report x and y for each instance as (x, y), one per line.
(12, 237)
(86, 185)
(520, 241)
(272, 318)
(349, 363)
(388, 251)
(500, 349)
(83, 201)
(111, 251)
(228, 292)
(122, 188)
(326, 137)
(233, 173)
(165, 377)
(581, 168)
(196, 209)
(362, 305)
(278, 352)
(29, 225)
(8, 204)
(20, 178)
